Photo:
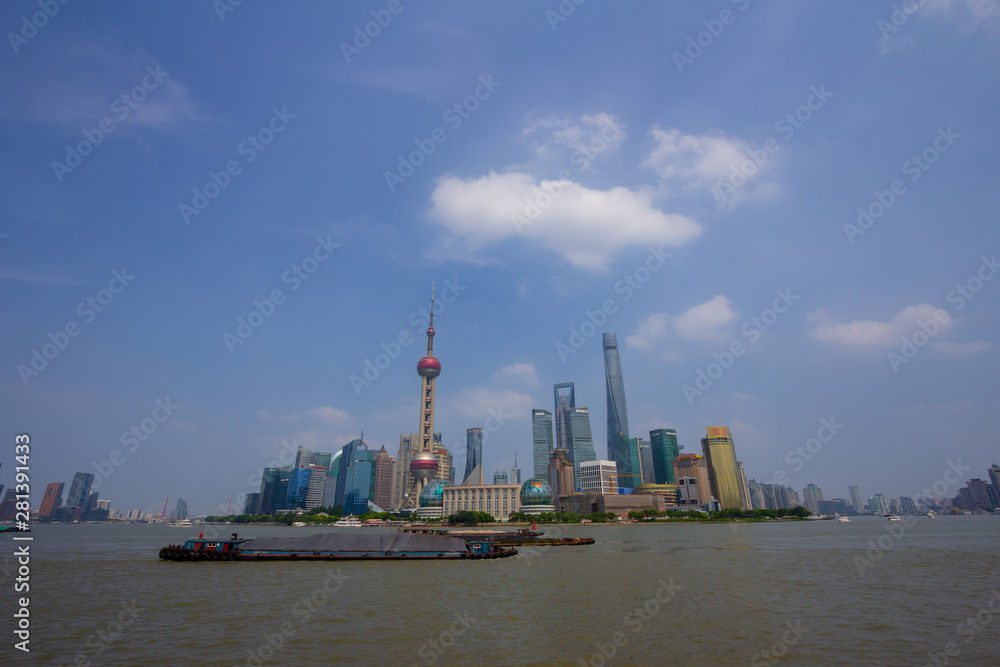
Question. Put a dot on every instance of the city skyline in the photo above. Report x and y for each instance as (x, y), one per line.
(801, 249)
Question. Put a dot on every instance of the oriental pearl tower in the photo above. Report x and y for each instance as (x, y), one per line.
(424, 464)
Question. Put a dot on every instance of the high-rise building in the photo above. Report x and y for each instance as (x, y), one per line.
(269, 502)
(317, 486)
(499, 477)
(8, 508)
(723, 471)
(694, 466)
(859, 505)
(646, 461)
(385, 469)
(404, 481)
(581, 441)
(560, 473)
(598, 477)
(757, 499)
(180, 511)
(304, 458)
(515, 472)
(80, 488)
(629, 464)
(811, 495)
(298, 488)
(907, 506)
(879, 504)
(252, 503)
(564, 395)
(978, 493)
(744, 489)
(51, 501)
(665, 450)
(541, 441)
(615, 386)
(473, 450)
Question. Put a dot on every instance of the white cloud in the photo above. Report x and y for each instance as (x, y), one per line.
(522, 372)
(871, 333)
(652, 331)
(706, 321)
(588, 137)
(586, 227)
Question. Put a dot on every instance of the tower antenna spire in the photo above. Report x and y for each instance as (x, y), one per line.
(430, 327)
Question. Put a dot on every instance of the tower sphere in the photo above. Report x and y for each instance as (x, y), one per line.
(429, 367)
(423, 466)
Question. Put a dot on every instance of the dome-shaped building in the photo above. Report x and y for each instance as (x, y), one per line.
(431, 499)
(536, 497)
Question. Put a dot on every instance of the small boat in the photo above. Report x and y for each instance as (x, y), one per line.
(843, 519)
(893, 517)
(348, 522)
(183, 523)
(299, 524)
(931, 514)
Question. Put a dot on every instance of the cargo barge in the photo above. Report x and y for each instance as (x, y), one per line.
(338, 546)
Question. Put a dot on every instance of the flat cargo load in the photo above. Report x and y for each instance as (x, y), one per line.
(383, 543)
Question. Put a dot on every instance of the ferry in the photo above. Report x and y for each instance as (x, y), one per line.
(892, 517)
(183, 523)
(348, 522)
(842, 519)
(337, 546)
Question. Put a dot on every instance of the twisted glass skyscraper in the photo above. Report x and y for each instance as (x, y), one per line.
(617, 414)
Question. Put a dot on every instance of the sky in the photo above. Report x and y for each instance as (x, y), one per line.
(216, 217)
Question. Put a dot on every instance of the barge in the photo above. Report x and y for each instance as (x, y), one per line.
(338, 546)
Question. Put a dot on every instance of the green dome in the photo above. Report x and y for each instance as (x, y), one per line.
(536, 492)
(432, 494)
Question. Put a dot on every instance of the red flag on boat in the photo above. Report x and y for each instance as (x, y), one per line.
(532, 525)
(201, 534)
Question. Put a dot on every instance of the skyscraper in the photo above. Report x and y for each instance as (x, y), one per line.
(646, 460)
(691, 470)
(859, 505)
(629, 464)
(298, 488)
(515, 472)
(317, 486)
(385, 468)
(599, 477)
(51, 501)
(665, 450)
(80, 489)
(560, 473)
(744, 488)
(564, 395)
(473, 450)
(581, 441)
(723, 471)
(811, 495)
(541, 441)
(617, 414)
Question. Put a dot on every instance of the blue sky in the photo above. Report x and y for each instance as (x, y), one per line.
(673, 171)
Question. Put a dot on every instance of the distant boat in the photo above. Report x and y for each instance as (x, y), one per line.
(931, 514)
(299, 524)
(893, 517)
(349, 522)
(183, 523)
(843, 519)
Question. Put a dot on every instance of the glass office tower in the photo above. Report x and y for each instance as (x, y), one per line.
(665, 452)
(617, 413)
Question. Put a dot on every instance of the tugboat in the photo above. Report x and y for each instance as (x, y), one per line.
(339, 546)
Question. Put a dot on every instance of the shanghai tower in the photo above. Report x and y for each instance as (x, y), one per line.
(617, 414)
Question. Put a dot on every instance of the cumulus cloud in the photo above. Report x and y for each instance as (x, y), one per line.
(706, 321)
(873, 333)
(586, 227)
(522, 372)
(588, 137)
(703, 162)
